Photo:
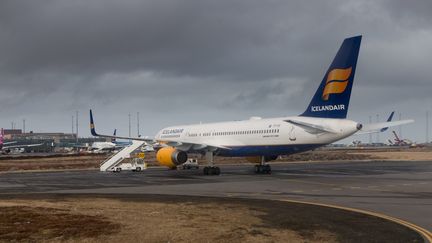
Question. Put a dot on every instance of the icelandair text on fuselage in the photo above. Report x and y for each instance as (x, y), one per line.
(328, 108)
(171, 131)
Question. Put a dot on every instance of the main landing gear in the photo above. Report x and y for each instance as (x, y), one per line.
(210, 169)
(262, 168)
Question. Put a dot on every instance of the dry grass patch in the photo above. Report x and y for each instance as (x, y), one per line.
(403, 155)
(51, 162)
(156, 218)
(35, 224)
(110, 220)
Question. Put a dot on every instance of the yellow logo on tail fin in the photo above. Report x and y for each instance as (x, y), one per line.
(337, 81)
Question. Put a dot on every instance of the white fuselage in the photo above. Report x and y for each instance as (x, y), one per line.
(258, 137)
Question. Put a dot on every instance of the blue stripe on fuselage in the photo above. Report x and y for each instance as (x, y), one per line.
(266, 150)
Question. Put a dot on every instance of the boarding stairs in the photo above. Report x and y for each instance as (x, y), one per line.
(120, 156)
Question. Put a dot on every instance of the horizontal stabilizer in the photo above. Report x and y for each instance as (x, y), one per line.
(381, 126)
(311, 128)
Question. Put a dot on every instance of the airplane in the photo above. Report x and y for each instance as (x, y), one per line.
(262, 140)
(401, 142)
(99, 147)
(6, 147)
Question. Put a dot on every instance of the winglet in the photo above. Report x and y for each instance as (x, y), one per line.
(388, 120)
(92, 126)
(93, 132)
(113, 140)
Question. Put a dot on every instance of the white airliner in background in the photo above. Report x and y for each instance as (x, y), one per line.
(262, 140)
(98, 147)
(6, 147)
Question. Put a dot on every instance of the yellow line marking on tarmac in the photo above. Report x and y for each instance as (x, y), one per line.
(423, 232)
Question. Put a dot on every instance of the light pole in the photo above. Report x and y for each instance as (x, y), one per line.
(370, 134)
(138, 130)
(76, 116)
(378, 133)
(400, 127)
(427, 126)
(129, 115)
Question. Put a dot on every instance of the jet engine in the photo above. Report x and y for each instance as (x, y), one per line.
(171, 157)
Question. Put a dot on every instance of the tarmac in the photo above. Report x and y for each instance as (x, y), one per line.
(399, 189)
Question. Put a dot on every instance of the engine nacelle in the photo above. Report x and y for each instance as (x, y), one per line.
(171, 157)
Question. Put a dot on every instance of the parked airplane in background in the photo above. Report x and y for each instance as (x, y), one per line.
(262, 140)
(99, 147)
(401, 142)
(6, 147)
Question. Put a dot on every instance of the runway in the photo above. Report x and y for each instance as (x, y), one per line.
(399, 189)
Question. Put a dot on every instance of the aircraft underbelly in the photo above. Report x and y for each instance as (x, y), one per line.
(266, 150)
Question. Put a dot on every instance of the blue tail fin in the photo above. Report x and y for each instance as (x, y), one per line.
(92, 126)
(331, 100)
(113, 140)
(388, 120)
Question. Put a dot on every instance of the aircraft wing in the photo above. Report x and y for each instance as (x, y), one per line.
(6, 143)
(22, 146)
(94, 133)
(311, 128)
(180, 145)
(185, 146)
(380, 127)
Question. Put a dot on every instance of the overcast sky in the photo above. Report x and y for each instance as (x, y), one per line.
(182, 62)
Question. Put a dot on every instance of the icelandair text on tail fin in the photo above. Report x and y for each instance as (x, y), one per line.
(328, 108)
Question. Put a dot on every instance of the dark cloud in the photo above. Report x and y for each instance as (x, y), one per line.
(187, 61)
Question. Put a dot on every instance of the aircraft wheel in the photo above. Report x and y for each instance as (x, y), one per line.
(216, 171)
(262, 169)
(210, 170)
(267, 169)
(138, 169)
(257, 169)
(118, 169)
